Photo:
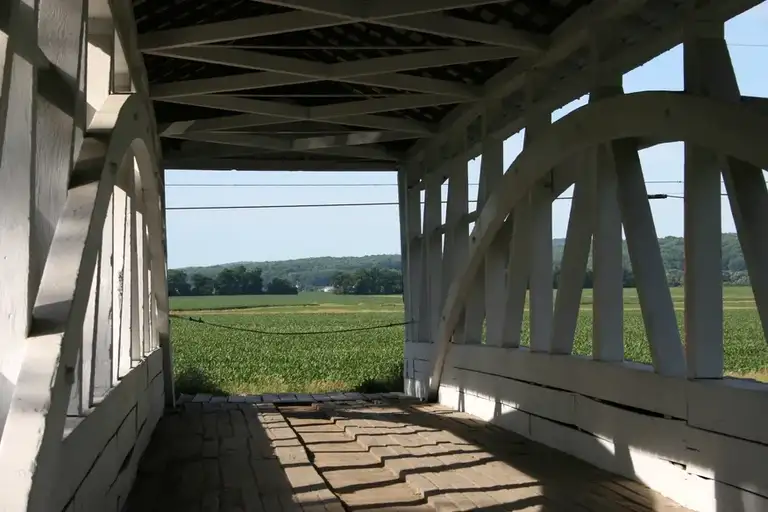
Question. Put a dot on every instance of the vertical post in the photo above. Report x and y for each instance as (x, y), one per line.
(540, 279)
(103, 349)
(410, 243)
(456, 231)
(645, 255)
(136, 255)
(607, 257)
(492, 171)
(744, 183)
(433, 256)
(18, 83)
(703, 239)
(121, 337)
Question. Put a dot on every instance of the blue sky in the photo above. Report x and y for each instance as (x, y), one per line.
(222, 236)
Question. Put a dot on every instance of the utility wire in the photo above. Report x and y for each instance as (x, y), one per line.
(341, 185)
(284, 333)
(333, 205)
(310, 185)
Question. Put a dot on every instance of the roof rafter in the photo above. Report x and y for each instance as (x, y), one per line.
(279, 70)
(370, 151)
(573, 34)
(422, 18)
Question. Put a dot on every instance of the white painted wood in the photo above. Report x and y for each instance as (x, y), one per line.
(233, 30)
(495, 264)
(668, 116)
(456, 232)
(474, 314)
(122, 271)
(566, 39)
(268, 63)
(146, 292)
(369, 151)
(60, 28)
(255, 120)
(134, 303)
(727, 459)
(17, 123)
(643, 247)
(518, 271)
(80, 394)
(735, 407)
(607, 257)
(626, 383)
(703, 262)
(573, 268)
(744, 181)
(31, 441)
(540, 276)
(607, 261)
(433, 260)
(103, 349)
(410, 229)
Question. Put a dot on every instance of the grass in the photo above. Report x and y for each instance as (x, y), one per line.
(235, 360)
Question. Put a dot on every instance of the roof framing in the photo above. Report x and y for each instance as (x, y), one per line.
(384, 81)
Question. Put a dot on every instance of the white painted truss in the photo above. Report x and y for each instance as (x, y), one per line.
(84, 303)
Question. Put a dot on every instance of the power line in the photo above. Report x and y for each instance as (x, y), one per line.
(328, 185)
(328, 205)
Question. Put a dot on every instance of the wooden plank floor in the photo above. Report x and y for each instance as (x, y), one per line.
(372, 453)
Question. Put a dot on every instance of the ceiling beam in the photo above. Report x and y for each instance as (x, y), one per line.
(259, 163)
(253, 120)
(370, 151)
(311, 14)
(572, 35)
(319, 113)
(236, 29)
(414, 15)
(278, 70)
(363, 67)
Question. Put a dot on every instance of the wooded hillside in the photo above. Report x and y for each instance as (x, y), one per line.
(314, 273)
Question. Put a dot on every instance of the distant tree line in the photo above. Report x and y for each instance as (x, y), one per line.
(367, 274)
(370, 281)
(237, 280)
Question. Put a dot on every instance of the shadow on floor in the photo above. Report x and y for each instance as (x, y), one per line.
(363, 456)
(192, 381)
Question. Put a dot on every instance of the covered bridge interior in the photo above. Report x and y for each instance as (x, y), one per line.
(98, 98)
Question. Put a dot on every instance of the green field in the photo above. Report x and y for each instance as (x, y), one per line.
(230, 358)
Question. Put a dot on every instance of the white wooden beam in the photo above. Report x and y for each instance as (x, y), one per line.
(518, 272)
(31, 441)
(17, 147)
(260, 61)
(568, 38)
(265, 113)
(495, 263)
(245, 28)
(456, 231)
(573, 267)
(369, 151)
(375, 106)
(311, 16)
(103, 349)
(744, 182)
(643, 247)
(607, 253)
(410, 232)
(703, 240)
(524, 43)
(265, 79)
(433, 261)
(263, 163)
